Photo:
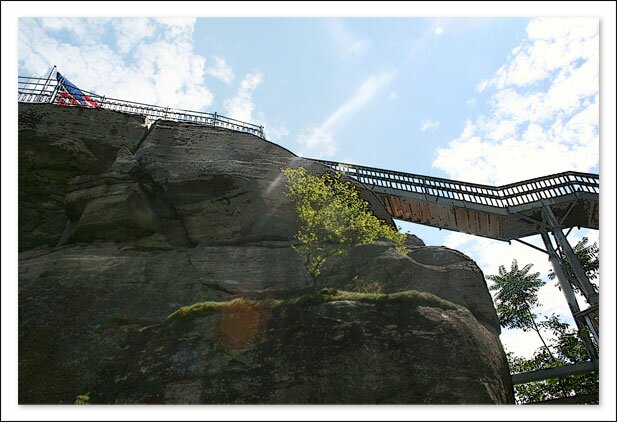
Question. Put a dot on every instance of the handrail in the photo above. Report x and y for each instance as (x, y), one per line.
(519, 193)
(43, 90)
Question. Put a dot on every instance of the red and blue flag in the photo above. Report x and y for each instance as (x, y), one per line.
(69, 95)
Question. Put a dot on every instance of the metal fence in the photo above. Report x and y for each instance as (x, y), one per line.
(45, 90)
(514, 194)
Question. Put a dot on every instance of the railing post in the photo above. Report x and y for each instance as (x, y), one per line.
(261, 131)
(46, 83)
(215, 118)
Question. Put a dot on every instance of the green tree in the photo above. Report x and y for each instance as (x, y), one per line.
(332, 217)
(567, 349)
(517, 294)
(82, 399)
(589, 257)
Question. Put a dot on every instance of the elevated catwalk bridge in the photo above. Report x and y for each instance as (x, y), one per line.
(508, 212)
(537, 206)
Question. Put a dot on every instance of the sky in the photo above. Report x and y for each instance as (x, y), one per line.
(480, 99)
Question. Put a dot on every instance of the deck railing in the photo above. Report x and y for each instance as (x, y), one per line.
(44, 90)
(514, 194)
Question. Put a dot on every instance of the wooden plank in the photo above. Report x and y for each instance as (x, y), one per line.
(451, 218)
(494, 226)
(472, 222)
(387, 201)
(415, 211)
(462, 219)
(483, 223)
(405, 212)
(395, 202)
(433, 212)
(442, 215)
(424, 212)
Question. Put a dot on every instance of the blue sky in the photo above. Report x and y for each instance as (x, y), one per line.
(483, 100)
(491, 100)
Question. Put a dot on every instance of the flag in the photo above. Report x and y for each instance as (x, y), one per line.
(69, 95)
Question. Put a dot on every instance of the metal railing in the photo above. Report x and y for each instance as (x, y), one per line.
(514, 194)
(44, 90)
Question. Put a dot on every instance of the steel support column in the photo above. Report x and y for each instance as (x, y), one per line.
(581, 277)
(568, 292)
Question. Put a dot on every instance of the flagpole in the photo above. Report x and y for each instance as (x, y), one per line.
(53, 94)
(47, 82)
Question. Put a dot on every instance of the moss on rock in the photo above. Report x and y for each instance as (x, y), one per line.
(411, 297)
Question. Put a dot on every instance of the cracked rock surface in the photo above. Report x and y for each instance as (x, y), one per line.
(121, 224)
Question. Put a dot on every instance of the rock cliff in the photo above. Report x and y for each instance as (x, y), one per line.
(155, 266)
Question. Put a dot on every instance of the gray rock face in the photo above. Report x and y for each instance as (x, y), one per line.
(441, 271)
(53, 149)
(343, 352)
(119, 226)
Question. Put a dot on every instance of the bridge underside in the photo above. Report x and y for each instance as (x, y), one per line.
(505, 224)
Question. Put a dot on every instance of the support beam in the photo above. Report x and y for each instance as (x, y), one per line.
(583, 281)
(568, 292)
(558, 372)
(531, 246)
(572, 205)
(578, 399)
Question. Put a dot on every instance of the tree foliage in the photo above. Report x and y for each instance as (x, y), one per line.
(567, 348)
(589, 257)
(517, 294)
(332, 217)
(515, 300)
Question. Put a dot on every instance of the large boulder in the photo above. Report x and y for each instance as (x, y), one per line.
(441, 271)
(122, 224)
(57, 144)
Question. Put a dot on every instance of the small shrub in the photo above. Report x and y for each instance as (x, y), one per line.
(83, 399)
(332, 217)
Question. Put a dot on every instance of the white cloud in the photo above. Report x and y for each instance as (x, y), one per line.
(274, 132)
(519, 342)
(429, 125)
(221, 70)
(544, 115)
(178, 28)
(471, 102)
(345, 40)
(241, 105)
(130, 31)
(438, 30)
(318, 142)
(164, 71)
(554, 44)
(363, 95)
(84, 30)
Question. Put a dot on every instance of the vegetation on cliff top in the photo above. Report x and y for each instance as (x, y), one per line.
(332, 217)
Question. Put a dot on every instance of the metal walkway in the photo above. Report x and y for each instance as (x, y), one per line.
(505, 213)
